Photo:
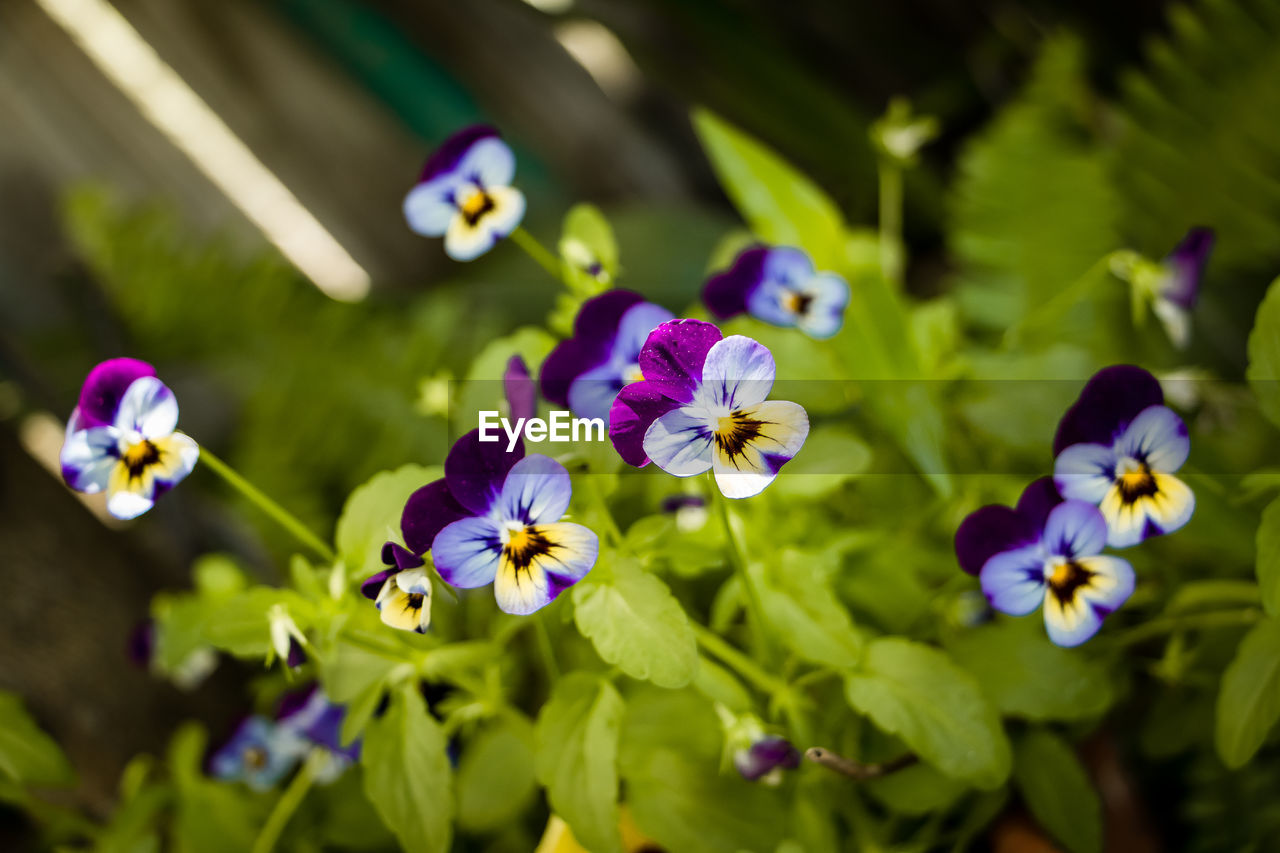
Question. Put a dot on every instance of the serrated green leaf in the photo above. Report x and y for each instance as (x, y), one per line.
(1025, 675)
(1263, 371)
(372, 512)
(495, 776)
(1057, 790)
(803, 611)
(1268, 565)
(407, 775)
(916, 692)
(1249, 699)
(778, 202)
(576, 741)
(637, 625)
(28, 756)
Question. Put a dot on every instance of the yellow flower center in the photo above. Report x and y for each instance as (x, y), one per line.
(1135, 480)
(796, 302)
(632, 374)
(475, 206)
(137, 457)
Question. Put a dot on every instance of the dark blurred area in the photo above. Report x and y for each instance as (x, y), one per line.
(115, 240)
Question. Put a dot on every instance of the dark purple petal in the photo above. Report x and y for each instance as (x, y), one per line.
(450, 153)
(1037, 500)
(475, 471)
(1111, 399)
(309, 713)
(1186, 265)
(599, 316)
(566, 362)
(296, 657)
(989, 531)
(519, 387)
(726, 294)
(672, 358)
(428, 511)
(398, 558)
(372, 585)
(765, 756)
(591, 345)
(674, 503)
(141, 643)
(105, 385)
(636, 407)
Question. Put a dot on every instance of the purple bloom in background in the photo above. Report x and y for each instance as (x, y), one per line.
(766, 758)
(1046, 551)
(141, 643)
(779, 286)
(701, 406)
(120, 438)
(311, 716)
(520, 389)
(1179, 287)
(510, 534)
(586, 372)
(1118, 447)
(464, 194)
(260, 753)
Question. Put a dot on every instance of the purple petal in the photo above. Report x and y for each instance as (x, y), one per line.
(989, 531)
(447, 157)
(1013, 581)
(764, 756)
(475, 471)
(296, 657)
(105, 386)
(372, 585)
(398, 558)
(672, 357)
(566, 363)
(594, 331)
(1037, 500)
(636, 408)
(536, 491)
(142, 643)
(1186, 265)
(1075, 529)
(466, 553)
(1111, 399)
(522, 393)
(601, 315)
(726, 294)
(428, 511)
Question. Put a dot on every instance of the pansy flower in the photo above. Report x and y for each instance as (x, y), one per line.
(779, 285)
(1046, 551)
(311, 716)
(1118, 447)
(287, 641)
(587, 371)
(260, 753)
(520, 389)
(702, 407)
(120, 438)
(464, 194)
(1178, 286)
(511, 533)
(765, 759)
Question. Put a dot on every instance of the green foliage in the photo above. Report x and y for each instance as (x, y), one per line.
(495, 780)
(577, 749)
(1264, 355)
(918, 694)
(28, 756)
(803, 612)
(371, 516)
(1249, 700)
(636, 624)
(1058, 792)
(407, 775)
(1269, 558)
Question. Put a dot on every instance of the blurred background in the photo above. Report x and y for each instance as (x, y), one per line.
(216, 188)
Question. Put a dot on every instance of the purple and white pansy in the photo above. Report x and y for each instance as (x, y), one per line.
(311, 715)
(586, 372)
(1118, 447)
(259, 753)
(1046, 552)
(702, 406)
(780, 286)
(1178, 285)
(464, 194)
(121, 438)
(765, 759)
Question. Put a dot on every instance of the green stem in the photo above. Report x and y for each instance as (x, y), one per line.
(539, 253)
(1060, 301)
(755, 607)
(1188, 622)
(891, 245)
(745, 666)
(602, 505)
(286, 806)
(278, 513)
(545, 649)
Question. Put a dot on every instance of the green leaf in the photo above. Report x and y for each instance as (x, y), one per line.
(1057, 790)
(587, 239)
(211, 816)
(240, 625)
(1263, 371)
(28, 756)
(371, 515)
(576, 741)
(636, 624)
(1011, 658)
(406, 773)
(831, 457)
(495, 777)
(916, 790)
(1269, 558)
(781, 205)
(483, 389)
(803, 611)
(1249, 699)
(915, 692)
